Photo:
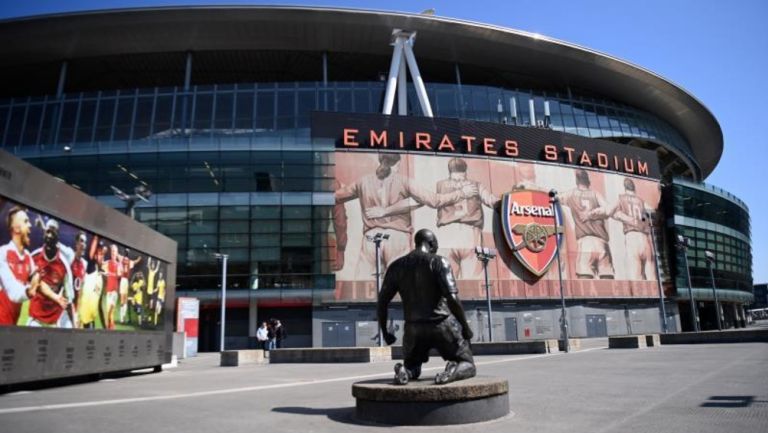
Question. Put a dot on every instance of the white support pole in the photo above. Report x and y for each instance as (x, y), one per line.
(394, 68)
(533, 112)
(402, 91)
(421, 91)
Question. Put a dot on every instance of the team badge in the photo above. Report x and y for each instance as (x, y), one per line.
(532, 227)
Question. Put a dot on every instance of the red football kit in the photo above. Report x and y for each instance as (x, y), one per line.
(53, 272)
(15, 270)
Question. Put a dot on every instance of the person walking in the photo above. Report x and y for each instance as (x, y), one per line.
(271, 335)
(280, 334)
(262, 337)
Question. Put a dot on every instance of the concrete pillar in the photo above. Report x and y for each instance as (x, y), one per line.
(253, 317)
(62, 79)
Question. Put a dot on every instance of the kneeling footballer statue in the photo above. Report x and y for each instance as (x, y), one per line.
(433, 314)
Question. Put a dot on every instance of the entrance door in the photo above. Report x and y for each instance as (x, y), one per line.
(510, 329)
(339, 334)
(596, 326)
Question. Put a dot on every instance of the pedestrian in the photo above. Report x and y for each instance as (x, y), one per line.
(262, 337)
(280, 333)
(271, 334)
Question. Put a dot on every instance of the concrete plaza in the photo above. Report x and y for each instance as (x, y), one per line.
(681, 388)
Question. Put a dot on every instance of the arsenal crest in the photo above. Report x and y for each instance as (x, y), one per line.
(532, 227)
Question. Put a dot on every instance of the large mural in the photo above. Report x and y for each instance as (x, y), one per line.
(605, 247)
(56, 275)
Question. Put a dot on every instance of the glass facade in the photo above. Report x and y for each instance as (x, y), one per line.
(716, 221)
(252, 116)
(233, 170)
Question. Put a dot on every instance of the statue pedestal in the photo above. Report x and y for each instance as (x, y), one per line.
(421, 402)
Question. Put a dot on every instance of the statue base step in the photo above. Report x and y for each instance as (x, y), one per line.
(421, 402)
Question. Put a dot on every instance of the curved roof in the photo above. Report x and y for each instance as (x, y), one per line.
(176, 29)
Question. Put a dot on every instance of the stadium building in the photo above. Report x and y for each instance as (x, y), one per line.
(309, 144)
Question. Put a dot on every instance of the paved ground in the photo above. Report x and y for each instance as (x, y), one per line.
(698, 388)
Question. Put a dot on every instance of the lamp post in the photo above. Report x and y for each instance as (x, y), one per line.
(711, 264)
(485, 255)
(662, 309)
(377, 238)
(223, 258)
(563, 320)
(682, 244)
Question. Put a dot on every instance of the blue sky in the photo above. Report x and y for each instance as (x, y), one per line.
(716, 50)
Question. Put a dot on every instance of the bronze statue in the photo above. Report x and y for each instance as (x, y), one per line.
(433, 314)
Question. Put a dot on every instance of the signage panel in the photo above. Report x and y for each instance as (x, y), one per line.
(467, 137)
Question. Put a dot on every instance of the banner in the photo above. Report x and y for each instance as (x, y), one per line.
(188, 322)
(53, 274)
(605, 235)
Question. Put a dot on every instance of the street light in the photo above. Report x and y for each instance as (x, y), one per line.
(377, 238)
(711, 264)
(223, 258)
(682, 244)
(662, 309)
(563, 320)
(485, 255)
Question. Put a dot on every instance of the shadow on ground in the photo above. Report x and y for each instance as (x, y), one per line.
(75, 380)
(344, 415)
(731, 401)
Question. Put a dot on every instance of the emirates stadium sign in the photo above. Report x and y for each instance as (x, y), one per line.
(442, 136)
(532, 228)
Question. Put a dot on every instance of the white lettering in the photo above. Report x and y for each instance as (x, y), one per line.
(531, 210)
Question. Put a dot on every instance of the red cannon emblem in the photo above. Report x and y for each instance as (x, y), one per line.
(532, 227)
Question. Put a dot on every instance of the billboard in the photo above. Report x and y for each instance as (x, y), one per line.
(56, 275)
(188, 322)
(605, 239)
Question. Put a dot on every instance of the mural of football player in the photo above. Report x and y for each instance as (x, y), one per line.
(340, 229)
(112, 270)
(630, 210)
(89, 306)
(126, 267)
(526, 177)
(19, 279)
(461, 223)
(78, 265)
(385, 200)
(589, 212)
(136, 300)
(52, 304)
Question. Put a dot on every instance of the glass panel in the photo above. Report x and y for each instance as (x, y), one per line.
(244, 111)
(32, 127)
(67, 125)
(143, 119)
(235, 212)
(286, 110)
(203, 113)
(104, 120)
(223, 119)
(124, 117)
(265, 212)
(163, 114)
(265, 110)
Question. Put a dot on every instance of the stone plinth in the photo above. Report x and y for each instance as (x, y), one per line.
(652, 340)
(717, 337)
(574, 344)
(330, 355)
(236, 358)
(422, 402)
(627, 342)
